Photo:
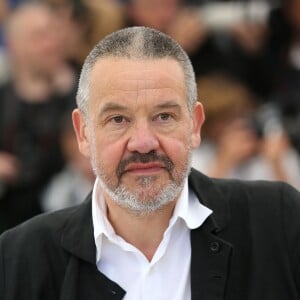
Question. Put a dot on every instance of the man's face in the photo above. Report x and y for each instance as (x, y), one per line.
(139, 132)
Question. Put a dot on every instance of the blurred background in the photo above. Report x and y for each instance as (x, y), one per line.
(246, 56)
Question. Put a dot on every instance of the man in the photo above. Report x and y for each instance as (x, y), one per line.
(40, 91)
(148, 230)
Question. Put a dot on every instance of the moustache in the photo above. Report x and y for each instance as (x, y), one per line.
(137, 157)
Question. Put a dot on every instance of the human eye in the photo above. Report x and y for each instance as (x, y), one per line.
(164, 117)
(118, 119)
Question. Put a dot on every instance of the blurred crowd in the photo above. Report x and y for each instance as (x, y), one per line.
(246, 56)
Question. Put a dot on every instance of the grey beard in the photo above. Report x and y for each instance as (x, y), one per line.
(138, 206)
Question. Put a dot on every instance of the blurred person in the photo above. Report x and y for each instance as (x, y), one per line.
(4, 8)
(41, 88)
(83, 23)
(250, 35)
(241, 139)
(35, 52)
(237, 33)
(106, 17)
(280, 64)
(3, 13)
(280, 60)
(73, 183)
(172, 17)
(288, 102)
(153, 228)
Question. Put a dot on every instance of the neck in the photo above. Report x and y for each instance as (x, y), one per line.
(145, 232)
(35, 85)
(32, 86)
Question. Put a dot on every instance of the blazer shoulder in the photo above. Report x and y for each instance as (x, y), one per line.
(238, 194)
(40, 230)
(263, 196)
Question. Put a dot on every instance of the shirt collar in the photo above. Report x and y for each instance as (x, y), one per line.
(99, 213)
(188, 208)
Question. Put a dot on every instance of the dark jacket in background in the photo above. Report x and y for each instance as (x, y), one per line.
(30, 131)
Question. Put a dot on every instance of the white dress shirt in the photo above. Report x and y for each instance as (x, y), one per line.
(167, 275)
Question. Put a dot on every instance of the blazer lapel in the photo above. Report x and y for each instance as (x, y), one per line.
(83, 281)
(210, 254)
(82, 278)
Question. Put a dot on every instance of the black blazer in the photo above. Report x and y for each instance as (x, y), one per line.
(249, 248)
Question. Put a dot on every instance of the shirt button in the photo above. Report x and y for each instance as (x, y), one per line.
(214, 247)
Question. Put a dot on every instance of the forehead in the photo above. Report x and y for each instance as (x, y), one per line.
(123, 74)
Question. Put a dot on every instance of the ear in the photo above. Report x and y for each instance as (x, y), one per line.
(198, 120)
(81, 131)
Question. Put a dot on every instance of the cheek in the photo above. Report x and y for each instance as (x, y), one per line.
(177, 149)
(108, 154)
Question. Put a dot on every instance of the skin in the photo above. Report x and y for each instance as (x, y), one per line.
(33, 40)
(35, 46)
(157, 14)
(138, 107)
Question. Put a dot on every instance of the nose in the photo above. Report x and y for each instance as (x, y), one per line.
(142, 139)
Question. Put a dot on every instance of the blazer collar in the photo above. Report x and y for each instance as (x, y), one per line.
(78, 234)
(212, 196)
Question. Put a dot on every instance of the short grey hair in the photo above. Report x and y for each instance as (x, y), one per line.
(137, 43)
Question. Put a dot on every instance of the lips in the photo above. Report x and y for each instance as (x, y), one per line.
(144, 164)
(151, 167)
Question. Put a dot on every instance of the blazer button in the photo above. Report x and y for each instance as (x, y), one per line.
(214, 247)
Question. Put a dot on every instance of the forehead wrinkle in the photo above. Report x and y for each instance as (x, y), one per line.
(135, 83)
(124, 94)
(111, 107)
(152, 93)
(169, 104)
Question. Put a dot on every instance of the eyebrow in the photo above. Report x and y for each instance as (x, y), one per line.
(114, 106)
(169, 104)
